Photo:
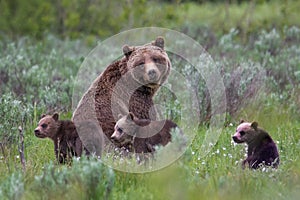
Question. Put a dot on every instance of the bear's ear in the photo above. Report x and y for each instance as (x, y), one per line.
(130, 116)
(120, 116)
(159, 42)
(55, 116)
(42, 116)
(254, 125)
(127, 50)
(242, 121)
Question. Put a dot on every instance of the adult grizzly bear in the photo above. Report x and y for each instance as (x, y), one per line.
(142, 134)
(127, 85)
(261, 148)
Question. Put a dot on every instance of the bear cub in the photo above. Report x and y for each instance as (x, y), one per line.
(262, 150)
(64, 135)
(143, 134)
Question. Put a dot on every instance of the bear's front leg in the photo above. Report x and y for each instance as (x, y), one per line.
(247, 161)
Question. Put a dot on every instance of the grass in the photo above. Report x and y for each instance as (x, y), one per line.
(218, 175)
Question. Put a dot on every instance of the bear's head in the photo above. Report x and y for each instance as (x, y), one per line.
(149, 64)
(246, 132)
(47, 126)
(124, 129)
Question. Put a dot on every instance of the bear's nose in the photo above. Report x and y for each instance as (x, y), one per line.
(235, 138)
(113, 137)
(36, 131)
(152, 74)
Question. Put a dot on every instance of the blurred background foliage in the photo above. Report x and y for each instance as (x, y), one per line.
(43, 44)
(98, 18)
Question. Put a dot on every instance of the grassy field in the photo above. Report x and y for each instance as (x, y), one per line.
(260, 69)
(216, 176)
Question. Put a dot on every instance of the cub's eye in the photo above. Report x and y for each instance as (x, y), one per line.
(242, 133)
(44, 125)
(119, 130)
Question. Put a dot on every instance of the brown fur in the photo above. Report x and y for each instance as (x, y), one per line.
(261, 148)
(143, 134)
(127, 85)
(64, 135)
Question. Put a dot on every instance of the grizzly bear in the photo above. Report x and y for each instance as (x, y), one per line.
(142, 134)
(64, 135)
(127, 85)
(262, 150)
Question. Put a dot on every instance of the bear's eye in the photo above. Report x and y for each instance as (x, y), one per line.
(140, 63)
(242, 133)
(44, 125)
(119, 130)
(156, 60)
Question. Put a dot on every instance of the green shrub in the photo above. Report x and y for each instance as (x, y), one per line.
(12, 187)
(40, 73)
(86, 179)
(13, 114)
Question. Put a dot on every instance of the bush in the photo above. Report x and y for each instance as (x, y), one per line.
(86, 179)
(40, 73)
(13, 114)
(12, 187)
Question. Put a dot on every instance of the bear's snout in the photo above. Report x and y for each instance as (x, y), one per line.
(152, 75)
(115, 136)
(38, 133)
(236, 139)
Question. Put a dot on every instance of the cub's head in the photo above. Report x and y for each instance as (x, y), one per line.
(124, 129)
(47, 126)
(245, 132)
(149, 64)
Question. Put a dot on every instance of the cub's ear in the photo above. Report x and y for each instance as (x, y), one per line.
(159, 42)
(42, 116)
(120, 116)
(130, 116)
(127, 50)
(254, 125)
(55, 116)
(242, 121)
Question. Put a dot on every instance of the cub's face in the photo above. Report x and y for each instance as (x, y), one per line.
(245, 132)
(47, 126)
(124, 129)
(149, 64)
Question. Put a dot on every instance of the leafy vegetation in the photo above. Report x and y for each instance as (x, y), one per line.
(259, 62)
(90, 19)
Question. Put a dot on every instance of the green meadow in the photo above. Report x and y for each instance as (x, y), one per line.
(255, 45)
